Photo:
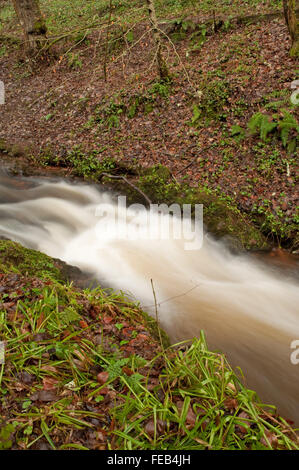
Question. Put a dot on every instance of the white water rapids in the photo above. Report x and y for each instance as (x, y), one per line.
(246, 310)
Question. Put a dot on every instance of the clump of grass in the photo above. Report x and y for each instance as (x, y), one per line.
(58, 340)
(199, 403)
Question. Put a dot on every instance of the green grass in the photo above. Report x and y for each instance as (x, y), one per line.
(204, 406)
(86, 370)
(198, 402)
(47, 342)
(68, 15)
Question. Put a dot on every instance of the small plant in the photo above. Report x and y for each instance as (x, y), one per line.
(88, 165)
(111, 113)
(237, 132)
(197, 39)
(262, 124)
(74, 61)
(161, 88)
(6, 433)
(282, 125)
(213, 99)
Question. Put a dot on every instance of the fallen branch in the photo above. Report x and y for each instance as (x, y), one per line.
(129, 183)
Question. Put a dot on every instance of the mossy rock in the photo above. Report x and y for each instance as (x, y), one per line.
(15, 258)
(19, 149)
(221, 216)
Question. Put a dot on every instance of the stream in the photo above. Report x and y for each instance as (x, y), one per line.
(247, 308)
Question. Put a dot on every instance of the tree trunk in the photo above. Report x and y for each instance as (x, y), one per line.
(32, 22)
(292, 20)
(162, 67)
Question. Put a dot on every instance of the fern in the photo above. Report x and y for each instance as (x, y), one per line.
(274, 105)
(196, 115)
(287, 124)
(267, 127)
(134, 382)
(284, 125)
(262, 124)
(255, 122)
(115, 368)
(68, 316)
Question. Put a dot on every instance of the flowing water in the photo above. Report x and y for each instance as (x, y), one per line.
(247, 310)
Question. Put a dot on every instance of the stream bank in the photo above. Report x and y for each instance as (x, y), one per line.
(222, 217)
(84, 368)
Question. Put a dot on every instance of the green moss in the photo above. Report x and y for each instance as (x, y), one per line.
(221, 215)
(39, 27)
(214, 98)
(86, 165)
(294, 52)
(3, 145)
(16, 258)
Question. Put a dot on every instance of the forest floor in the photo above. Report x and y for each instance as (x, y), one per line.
(198, 125)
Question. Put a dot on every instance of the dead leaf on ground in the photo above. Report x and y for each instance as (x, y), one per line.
(102, 377)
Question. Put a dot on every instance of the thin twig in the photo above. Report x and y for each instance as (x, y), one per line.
(180, 60)
(129, 183)
(173, 297)
(107, 42)
(192, 161)
(157, 317)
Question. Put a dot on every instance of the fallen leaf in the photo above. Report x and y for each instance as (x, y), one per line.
(160, 427)
(231, 404)
(49, 383)
(102, 377)
(272, 439)
(44, 395)
(126, 370)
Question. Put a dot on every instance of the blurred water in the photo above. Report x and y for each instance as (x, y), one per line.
(247, 310)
